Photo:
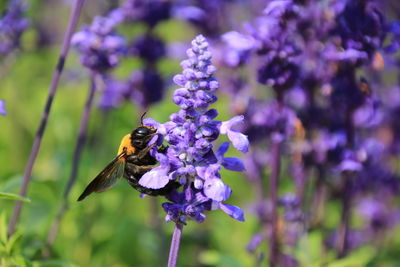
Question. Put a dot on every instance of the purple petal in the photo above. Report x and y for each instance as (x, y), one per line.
(209, 157)
(212, 171)
(155, 179)
(165, 128)
(239, 140)
(233, 164)
(162, 159)
(216, 190)
(2, 108)
(179, 80)
(222, 150)
(227, 125)
(156, 139)
(255, 242)
(151, 122)
(238, 41)
(201, 171)
(350, 165)
(233, 211)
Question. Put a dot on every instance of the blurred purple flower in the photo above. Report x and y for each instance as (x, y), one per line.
(12, 25)
(114, 93)
(146, 87)
(239, 48)
(148, 47)
(149, 12)
(3, 108)
(190, 159)
(99, 45)
(361, 26)
(394, 32)
(208, 15)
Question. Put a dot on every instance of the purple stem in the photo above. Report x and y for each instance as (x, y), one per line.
(318, 198)
(274, 253)
(75, 160)
(73, 22)
(343, 241)
(275, 170)
(175, 242)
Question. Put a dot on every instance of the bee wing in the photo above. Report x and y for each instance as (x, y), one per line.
(106, 178)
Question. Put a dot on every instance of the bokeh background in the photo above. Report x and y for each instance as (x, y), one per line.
(118, 228)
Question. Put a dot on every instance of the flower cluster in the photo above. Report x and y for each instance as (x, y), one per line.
(99, 45)
(190, 158)
(328, 118)
(12, 25)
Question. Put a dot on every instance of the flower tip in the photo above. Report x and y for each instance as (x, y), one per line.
(233, 211)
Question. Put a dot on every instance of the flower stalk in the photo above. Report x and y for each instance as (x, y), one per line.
(274, 183)
(175, 244)
(73, 22)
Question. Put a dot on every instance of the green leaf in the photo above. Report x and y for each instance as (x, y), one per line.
(3, 228)
(359, 257)
(13, 197)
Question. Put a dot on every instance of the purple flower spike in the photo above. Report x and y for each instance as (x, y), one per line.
(190, 159)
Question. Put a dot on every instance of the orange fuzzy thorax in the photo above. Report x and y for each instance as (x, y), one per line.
(126, 144)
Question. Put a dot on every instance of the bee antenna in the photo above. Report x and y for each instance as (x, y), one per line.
(141, 118)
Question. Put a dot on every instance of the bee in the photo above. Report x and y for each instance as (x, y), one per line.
(133, 160)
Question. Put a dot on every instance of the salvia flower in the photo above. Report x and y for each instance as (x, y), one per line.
(12, 25)
(190, 158)
(150, 12)
(99, 45)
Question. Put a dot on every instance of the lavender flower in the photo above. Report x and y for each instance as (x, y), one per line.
(100, 46)
(150, 12)
(149, 47)
(12, 25)
(239, 48)
(190, 158)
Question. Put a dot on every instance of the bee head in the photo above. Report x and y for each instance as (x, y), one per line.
(141, 136)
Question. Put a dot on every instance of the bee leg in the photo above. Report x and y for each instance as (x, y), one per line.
(144, 152)
(136, 170)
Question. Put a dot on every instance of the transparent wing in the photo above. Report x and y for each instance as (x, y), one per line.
(106, 178)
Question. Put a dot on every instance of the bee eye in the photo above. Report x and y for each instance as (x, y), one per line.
(142, 130)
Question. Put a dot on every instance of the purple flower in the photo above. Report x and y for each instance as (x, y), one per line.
(239, 48)
(99, 45)
(12, 25)
(3, 107)
(190, 158)
(394, 32)
(239, 140)
(361, 26)
(148, 47)
(114, 93)
(150, 12)
(146, 87)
